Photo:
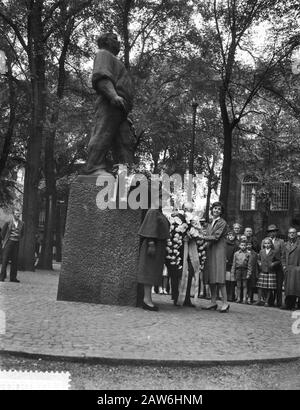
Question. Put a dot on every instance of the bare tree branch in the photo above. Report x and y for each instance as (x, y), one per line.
(17, 57)
(14, 26)
(143, 29)
(72, 13)
(50, 12)
(219, 34)
(278, 94)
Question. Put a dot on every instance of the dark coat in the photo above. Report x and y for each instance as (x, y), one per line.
(253, 269)
(292, 263)
(291, 254)
(268, 262)
(215, 266)
(231, 247)
(255, 244)
(6, 231)
(154, 227)
(279, 248)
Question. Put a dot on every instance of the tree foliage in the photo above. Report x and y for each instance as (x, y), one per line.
(176, 51)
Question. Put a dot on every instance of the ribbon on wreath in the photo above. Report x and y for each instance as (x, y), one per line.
(190, 250)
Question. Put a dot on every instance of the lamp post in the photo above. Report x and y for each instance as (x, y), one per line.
(192, 153)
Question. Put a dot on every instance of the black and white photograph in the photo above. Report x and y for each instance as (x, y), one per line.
(150, 198)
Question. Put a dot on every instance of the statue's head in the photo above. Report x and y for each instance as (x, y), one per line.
(110, 42)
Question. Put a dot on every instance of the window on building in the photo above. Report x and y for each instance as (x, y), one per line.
(248, 193)
(280, 197)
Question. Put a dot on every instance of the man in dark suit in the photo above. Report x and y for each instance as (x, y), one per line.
(12, 232)
(279, 248)
(291, 266)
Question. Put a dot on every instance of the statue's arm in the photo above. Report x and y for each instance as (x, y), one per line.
(107, 88)
(103, 78)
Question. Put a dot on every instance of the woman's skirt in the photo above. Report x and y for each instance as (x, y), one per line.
(267, 281)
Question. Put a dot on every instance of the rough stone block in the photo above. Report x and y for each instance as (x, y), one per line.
(100, 252)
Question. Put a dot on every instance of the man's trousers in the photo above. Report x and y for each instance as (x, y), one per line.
(111, 132)
(10, 252)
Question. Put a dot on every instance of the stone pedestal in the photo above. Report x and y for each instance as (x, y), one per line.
(100, 251)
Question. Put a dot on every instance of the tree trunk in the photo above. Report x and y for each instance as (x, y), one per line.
(45, 261)
(264, 209)
(127, 7)
(227, 149)
(265, 221)
(155, 159)
(46, 257)
(209, 182)
(58, 233)
(226, 168)
(36, 57)
(12, 117)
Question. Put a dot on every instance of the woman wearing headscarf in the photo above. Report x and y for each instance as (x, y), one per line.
(154, 233)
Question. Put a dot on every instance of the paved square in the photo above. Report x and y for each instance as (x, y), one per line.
(38, 324)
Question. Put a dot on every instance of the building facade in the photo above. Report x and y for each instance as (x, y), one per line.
(244, 204)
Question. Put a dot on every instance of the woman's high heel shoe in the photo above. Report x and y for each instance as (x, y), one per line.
(152, 308)
(212, 307)
(222, 310)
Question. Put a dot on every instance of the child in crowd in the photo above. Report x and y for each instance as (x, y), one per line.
(165, 280)
(163, 288)
(231, 248)
(268, 262)
(252, 271)
(243, 238)
(240, 271)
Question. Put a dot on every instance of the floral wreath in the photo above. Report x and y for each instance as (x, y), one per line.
(184, 225)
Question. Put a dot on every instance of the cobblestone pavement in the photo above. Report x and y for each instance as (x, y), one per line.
(38, 324)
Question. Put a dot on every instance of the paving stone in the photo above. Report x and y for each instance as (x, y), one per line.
(39, 324)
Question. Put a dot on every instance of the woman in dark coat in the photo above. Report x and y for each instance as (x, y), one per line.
(215, 267)
(154, 233)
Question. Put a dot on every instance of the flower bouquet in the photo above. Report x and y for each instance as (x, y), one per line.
(186, 242)
(184, 226)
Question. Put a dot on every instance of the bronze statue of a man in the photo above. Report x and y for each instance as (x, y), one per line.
(111, 130)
